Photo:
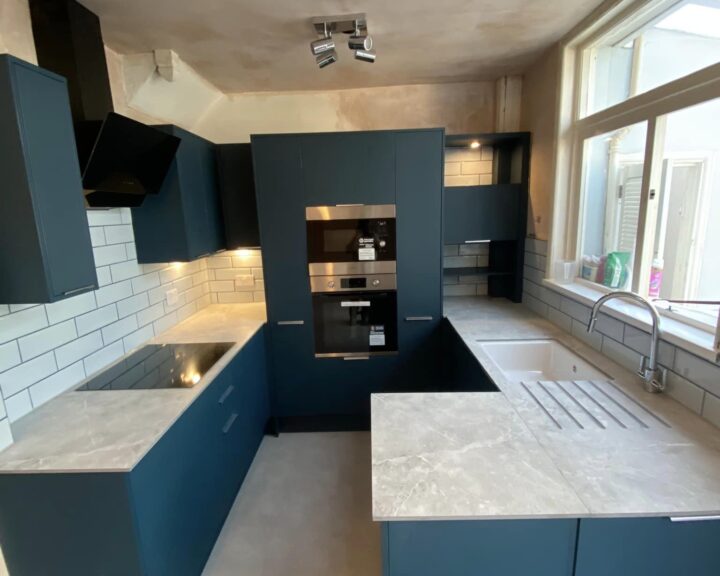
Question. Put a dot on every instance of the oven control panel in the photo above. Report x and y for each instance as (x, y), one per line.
(363, 283)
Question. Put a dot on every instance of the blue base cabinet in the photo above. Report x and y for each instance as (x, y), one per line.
(183, 221)
(163, 517)
(46, 253)
(479, 548)
(648, 547)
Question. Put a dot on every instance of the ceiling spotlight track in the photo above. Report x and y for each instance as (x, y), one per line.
(355, 25)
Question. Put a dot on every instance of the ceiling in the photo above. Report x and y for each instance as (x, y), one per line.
(262, 45)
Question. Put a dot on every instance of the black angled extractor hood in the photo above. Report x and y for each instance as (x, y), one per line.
(122, 160)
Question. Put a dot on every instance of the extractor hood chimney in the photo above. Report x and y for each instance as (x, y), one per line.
(122, 160)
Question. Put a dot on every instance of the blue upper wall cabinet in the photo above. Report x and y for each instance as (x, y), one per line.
(349, 168)
(183, 221)
(46, 253)
(482, 213)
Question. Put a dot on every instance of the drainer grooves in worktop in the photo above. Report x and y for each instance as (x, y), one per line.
(590, 404)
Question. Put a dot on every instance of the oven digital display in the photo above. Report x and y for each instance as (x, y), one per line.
(353, 282)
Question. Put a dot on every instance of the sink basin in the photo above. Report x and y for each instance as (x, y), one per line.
(532, 360)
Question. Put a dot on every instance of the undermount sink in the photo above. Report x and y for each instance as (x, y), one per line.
(533, 360)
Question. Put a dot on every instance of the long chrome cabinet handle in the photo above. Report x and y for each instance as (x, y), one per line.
(418, 318)
(226, 394)
(291, 322)
(229, 423)
(693, 518)
(351, 358)
(78, 290)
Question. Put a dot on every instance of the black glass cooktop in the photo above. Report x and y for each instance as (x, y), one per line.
(160, 366)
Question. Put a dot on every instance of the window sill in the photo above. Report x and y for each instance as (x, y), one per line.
(689, 338)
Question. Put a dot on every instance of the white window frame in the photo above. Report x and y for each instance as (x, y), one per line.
(575, 128)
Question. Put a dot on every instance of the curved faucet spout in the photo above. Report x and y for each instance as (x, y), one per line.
(652, 374)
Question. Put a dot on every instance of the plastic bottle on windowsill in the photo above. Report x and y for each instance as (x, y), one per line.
(656, 274)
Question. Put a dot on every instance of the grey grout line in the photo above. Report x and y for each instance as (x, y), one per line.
(542, 406)
(599, 405)
(590, 414)
(562, 406)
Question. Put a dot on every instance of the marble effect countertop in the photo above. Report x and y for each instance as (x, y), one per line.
(111, 431)
(499, 455)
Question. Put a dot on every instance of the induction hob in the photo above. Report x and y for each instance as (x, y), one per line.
(158, 366)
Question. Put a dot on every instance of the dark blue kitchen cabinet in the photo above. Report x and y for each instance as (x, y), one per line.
(482, 213)
(183, 221)
(278, 168)
(162, 517)
(419, 160)
(472, 548)
(46, 252)
(349, 168)
(647, 547)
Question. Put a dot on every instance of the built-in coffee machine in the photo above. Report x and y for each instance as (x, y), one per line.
(352, 266)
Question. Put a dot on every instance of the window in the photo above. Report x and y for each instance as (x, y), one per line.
(634, 58)
(644, 183)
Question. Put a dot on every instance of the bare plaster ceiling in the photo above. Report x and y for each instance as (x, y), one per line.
(262, 45)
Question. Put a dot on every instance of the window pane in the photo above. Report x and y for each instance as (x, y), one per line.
(687, 234)
(681, 41)
(612, 182)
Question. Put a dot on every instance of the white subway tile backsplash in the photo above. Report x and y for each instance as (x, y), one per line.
(56, 384)
(113, 293)
(184, 312)
(21, 323)
(575, 309)
(71, 307)
(119, 329)
(131, 251)
(533, 274)
(537, 306)
(475, 249)
(105, 255)
(19, 307)
(460, 262)
(481, 167)
(6, 437)
(18, 405)
(472, 180)
(78, 349)
(698, 371)
(104, 217)
(219, 262)
(16, 379)
(640, 342)
(150, 314)
(560, 319)
(132, 305)
(594, 340)
(461, 290)
(125, 270)
(621, 354)
(535, 261)
(453, 168)
(97, 319)
(3, 413)
(97, 236)
(47, 339)
(103, 275)
(125, 215)
(183, 284)
(132, 341)
(4, 309)
(247, 259)
(536, 246)
(234, 297)
(451, 250)
(711, 409)
(685, 392)
(119, 234)
(145, 282)
(222, 286)
(165, 323)
(103, 358)
(259, 296)
(9, 356)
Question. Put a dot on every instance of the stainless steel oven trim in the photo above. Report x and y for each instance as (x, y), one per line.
(355, 355)
(319, 284)
(350, 212)
(352, 268)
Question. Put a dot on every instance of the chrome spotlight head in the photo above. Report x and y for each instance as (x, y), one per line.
(360, 42)
(326, 58)
(365, 55)
(321, 46)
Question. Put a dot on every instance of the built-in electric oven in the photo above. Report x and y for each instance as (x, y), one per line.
(351, 239)
(354, 316)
